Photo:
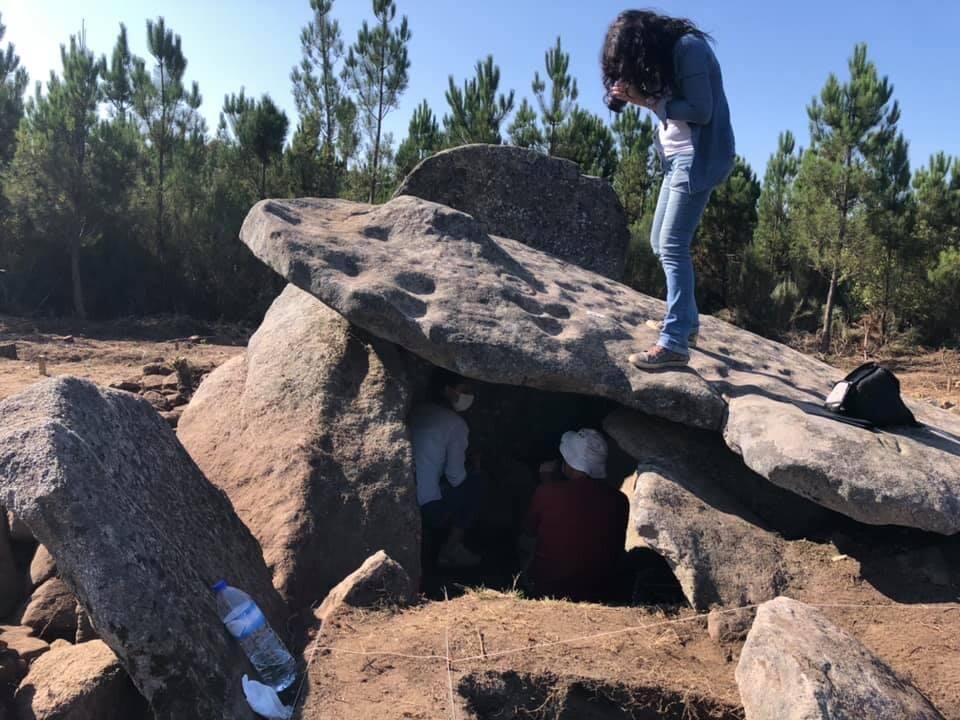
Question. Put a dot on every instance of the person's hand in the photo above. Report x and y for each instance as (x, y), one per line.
(623, 91)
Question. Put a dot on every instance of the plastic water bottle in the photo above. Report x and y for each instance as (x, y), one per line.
(246, 622)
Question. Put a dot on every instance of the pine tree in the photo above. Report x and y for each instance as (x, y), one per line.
(774, 238)
(423, 139)
(638, 169)
(888, 254)
(476, 111)
(724, 234)
(52, 180)
(260, 129)
(844, 122)
(587, 141)
(524, 130)
(159, 100)
(555, 109)
(118, 77)
(376, 71)
(13, 83)
(321, 104)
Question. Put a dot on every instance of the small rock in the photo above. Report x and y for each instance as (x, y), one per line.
(8, 351)
(797, 665)
(20, 639)
(131, 385)
(43, 567)
(52, 611)
(157, 369)
(82, 682)
(158, 401)
(178, 399)
(152, 382)
(67, 339)
(379, 581)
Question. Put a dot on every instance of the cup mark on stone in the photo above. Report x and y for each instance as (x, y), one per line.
(411, 307)
(549, 325)
(416, 283)
(557, 310)
(284, 213)
(377, 232)
(344, 263)
(525, 303)
(571, 287)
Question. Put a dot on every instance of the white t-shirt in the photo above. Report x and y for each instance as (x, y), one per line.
(675, 136)
(440, 437)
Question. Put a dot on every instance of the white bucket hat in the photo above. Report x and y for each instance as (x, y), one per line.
(585, 450)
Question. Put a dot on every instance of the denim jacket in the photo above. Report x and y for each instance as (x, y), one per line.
(699, 100)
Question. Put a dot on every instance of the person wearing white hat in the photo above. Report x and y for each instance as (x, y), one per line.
(578, 524)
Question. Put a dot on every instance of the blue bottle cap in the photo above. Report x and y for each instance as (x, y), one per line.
(220, 586)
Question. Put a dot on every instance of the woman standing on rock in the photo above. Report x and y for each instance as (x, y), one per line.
(666, 65)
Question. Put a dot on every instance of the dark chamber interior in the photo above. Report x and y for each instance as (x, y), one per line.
(513, 430)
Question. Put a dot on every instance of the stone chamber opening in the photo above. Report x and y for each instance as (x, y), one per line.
(513, 430)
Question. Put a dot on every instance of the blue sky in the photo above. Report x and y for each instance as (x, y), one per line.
(775, 56)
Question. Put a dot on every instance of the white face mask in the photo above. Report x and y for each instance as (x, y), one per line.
(463, 403)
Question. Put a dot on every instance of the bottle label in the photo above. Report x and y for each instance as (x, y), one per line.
(245, 620)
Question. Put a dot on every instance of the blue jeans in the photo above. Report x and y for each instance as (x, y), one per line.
(459, 506)
(674, 224)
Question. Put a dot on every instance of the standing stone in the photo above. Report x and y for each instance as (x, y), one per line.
(541, 201)
(797, 665)
(139, 535)
(719, 551)
(306, 433)
(83, 682)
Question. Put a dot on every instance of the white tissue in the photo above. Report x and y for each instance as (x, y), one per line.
(265, 701)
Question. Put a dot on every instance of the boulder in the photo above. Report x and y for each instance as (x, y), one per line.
(797, 665)
(139, 535)
(434, 281)
(541, 201)
(52, 611)
(83, 682)
(306, 433)
(20, 640)
(719, 552)
(379, 582)
(10, 585)
(42, 567)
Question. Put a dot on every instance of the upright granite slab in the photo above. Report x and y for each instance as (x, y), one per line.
(432, 280)
(139, 536)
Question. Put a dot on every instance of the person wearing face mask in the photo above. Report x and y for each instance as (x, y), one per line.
(448, 494)
(576, 526)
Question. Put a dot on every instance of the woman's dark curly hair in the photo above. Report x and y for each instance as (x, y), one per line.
(639, 50)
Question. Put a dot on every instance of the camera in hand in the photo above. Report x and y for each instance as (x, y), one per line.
(615, 104)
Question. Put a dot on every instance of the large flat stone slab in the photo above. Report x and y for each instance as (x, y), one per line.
(432, 280)
(139, 536)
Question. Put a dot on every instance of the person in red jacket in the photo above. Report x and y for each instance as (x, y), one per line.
(576, 524)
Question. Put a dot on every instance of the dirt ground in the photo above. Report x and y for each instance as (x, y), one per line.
(107, 353)
(549, 660)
